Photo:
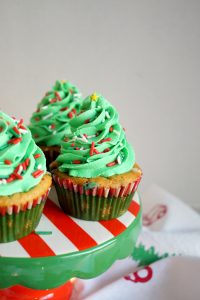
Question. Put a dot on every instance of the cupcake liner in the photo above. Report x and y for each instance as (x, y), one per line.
(17, 221)
(95, 203)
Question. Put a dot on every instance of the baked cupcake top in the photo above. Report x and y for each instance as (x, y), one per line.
(22, 163)
(50, 122)
(97, 145)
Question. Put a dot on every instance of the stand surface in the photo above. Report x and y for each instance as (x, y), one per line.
(63, 247)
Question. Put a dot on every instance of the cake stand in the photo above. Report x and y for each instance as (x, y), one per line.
(63, 247)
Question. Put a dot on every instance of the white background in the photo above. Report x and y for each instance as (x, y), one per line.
(143, 56)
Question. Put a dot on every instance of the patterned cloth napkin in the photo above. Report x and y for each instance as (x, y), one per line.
(165, 264)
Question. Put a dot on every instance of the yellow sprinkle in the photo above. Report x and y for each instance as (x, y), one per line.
(94, 97)
(63, 81)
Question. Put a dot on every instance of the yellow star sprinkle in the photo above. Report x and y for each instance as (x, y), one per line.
(94, 97)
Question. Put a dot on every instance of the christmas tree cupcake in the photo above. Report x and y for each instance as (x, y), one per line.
(96, 175)
(24, 184)
(50, 122)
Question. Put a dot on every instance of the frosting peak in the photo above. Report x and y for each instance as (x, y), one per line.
(97, 145)
(51, 120)
(22, 163)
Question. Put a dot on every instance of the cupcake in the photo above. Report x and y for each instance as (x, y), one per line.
(96, 175)
(24, 184)
(50, 122)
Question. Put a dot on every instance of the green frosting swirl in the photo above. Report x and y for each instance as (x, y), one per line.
(50, 122)
(97, 145)
(22, 163)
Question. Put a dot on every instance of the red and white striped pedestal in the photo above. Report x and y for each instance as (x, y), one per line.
(63, 247)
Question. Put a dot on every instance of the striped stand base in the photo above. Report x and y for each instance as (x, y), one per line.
(62, 246)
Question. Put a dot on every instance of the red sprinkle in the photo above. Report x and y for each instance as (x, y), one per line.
(72, 145)
(124, 129)
(70, 115)
(10, 179)
(77, 148)
(20, 122)
(22, 127)
(7, 162)
(53, 100)
(106, 150)
(64, 108)
(15, 141)
(16, 130)
(8, 123)
(111, 164)
(1, 129)
(87, 121)
(76, 162)
(37, 119)
(71, 91)
(96, 151)
(27, 161)
(17, 169)
(24, 165)
(111, 129)
(58, 96)
(37, 155)
(105, 140)
(37, 173)
(18, 176)
(92, 149)
(85, 135)
(53, 126)
(74, 111)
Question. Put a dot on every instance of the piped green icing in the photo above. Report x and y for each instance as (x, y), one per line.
(97, 145)
(20, 157)
(51, 120)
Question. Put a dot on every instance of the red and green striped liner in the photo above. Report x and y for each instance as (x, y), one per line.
(17, 221)
(94, 204)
